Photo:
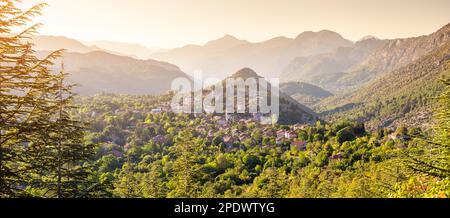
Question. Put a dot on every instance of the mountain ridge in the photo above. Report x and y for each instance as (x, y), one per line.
(401, 97)
(363, 62)
(266, 57)
(98, 71)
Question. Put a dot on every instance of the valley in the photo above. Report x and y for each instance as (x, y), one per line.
(295, 110)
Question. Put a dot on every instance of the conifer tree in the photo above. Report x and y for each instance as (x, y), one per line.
(61, 160)
(153, 183)
(41, 145)
(127, 185)
(25, 81)
(186, 167)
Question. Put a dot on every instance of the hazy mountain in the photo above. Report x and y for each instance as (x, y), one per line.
(129, 49)
(392, 55)
(304, 93)
(348, 68)
(402, 97)
(52, 43)
(98, 71)
(217, 58)
(325, 69)
(224, 43)
(367, 38)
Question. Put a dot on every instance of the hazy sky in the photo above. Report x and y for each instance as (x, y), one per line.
(173, 23)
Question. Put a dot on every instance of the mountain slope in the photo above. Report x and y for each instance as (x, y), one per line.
(219, 57)
(129, 49)
(98, 71)
(401, 97)
(52, 43)
(324, 69)
(347, 69)
(304, 93)
(393, 55)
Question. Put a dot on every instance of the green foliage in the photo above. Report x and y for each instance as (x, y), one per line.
(340, 160)
(345, 134)
(42, 151)
(25, 80)
(432, 155)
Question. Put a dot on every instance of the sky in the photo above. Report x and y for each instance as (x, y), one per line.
(175, 23)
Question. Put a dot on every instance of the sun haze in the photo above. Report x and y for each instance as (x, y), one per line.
(174, 23)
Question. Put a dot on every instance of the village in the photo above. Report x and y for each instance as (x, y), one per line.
(234, 132)
(232, 128)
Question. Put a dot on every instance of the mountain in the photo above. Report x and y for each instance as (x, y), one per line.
(347, 69)
(227, 54)
(224, 43)
(52, 43)
(402, 97)
(368, 37)
(291, 111)
(99, 71)
(304, 93)
(129, 49)
(394, 54)
(324, 69)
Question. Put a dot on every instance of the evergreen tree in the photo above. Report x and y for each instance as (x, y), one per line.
(61, 160)
(153, 184)
(187, 174)
(272, 183)
(127, 185)
(25, 81)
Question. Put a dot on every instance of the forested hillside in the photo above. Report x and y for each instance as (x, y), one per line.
(305, 93)
(403, 97)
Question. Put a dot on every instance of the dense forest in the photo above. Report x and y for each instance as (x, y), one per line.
(56, 144)
(144, 154)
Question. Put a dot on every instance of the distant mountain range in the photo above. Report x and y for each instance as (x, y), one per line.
(99, 71)
(110, 67)
(380, 82)
(217, 58)
(129, 49)
(51, 43)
